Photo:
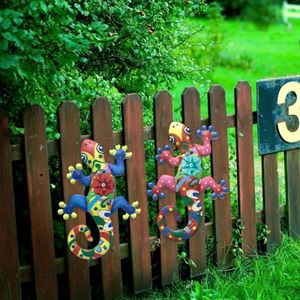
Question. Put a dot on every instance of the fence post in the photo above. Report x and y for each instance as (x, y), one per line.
(36, 157)
(220, 170)
(271, 199)
(70, 143)
(245, 166)
(136, 186)
(111, 262)
(191, 118)
(9, 259)
(168, 248)
(292, 164)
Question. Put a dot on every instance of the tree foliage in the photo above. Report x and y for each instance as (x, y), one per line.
(55, 50)
(261, 12)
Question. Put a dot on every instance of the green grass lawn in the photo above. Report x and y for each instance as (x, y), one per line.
(275, 276)
(273, 52)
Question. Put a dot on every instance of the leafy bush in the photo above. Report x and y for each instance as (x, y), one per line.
(234, 60)
(231, 8)
(262, 12)
(55, 50)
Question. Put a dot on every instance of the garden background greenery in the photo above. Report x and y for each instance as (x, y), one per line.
(52, 51)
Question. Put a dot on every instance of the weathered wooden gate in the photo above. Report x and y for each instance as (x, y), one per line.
(46, 268)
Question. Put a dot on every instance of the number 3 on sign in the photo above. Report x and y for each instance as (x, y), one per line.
(293, 110)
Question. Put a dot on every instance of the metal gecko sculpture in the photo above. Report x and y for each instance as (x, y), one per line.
(187, 182)
(100, 201)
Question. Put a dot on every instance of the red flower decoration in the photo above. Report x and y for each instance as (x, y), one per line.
(103, 184)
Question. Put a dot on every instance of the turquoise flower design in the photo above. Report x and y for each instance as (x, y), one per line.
(191, 165)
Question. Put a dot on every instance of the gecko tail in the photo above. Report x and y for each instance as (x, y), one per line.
(99, 250)
(178, 234)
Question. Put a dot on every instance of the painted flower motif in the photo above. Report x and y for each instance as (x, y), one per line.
(103, 184)
(191, 165)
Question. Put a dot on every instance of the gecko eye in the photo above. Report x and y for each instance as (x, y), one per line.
(171, 139)
(99, 148)
(187, 130)
(83, 157)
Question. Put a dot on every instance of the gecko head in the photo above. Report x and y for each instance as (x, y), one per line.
(179, 134)
(92, 154)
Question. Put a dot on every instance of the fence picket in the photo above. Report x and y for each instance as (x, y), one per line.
(168, 248)
(292, 164)
(9, 277)
(191, 118)
(70, 143)
(220, 170)
(271, 199)
(136, 186)
(36, 157)
(111, 262)
(245, 166)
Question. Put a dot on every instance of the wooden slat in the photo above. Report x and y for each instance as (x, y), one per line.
(70, 143)
(168, 248)
(111, 262)
(271, 199)
(36, 157)
(136, 186)
(292, 164)
(245, 166)
(220, 170)
(191, 118)
(9, 274)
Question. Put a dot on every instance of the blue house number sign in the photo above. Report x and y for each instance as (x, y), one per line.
(278, 114)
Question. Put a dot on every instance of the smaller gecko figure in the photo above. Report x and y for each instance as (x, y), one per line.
(187, 182)
(100, 201)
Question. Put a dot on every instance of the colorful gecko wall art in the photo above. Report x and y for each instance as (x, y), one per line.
(187, 182)
(100, 201)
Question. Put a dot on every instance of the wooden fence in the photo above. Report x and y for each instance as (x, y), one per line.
(46, 269)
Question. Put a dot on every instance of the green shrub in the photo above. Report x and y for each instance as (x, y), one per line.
(55, 50)
(262, 12)
(232, 8)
